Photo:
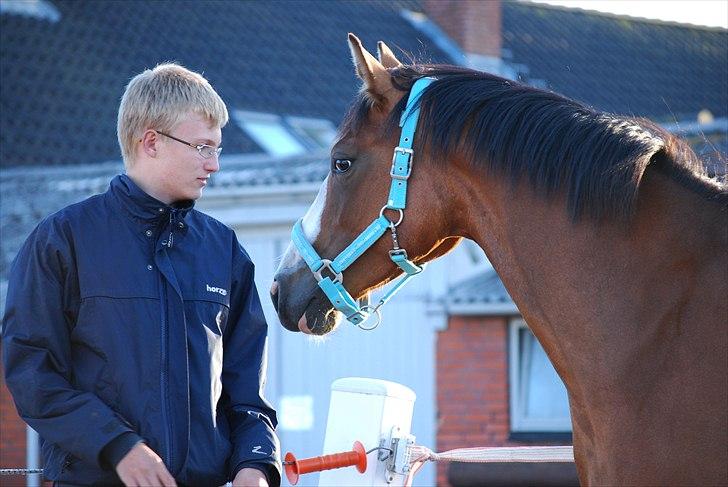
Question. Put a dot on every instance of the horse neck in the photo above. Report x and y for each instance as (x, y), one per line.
(593, 293)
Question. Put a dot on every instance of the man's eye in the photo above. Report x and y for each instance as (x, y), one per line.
(342, 165)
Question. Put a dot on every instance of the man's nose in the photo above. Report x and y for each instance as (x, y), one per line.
(212, 164)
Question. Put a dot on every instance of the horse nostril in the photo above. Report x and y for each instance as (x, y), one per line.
(274, 295)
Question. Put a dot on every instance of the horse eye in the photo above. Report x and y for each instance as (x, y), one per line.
(342, 165)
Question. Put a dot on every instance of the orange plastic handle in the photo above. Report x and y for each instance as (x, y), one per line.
(294, 468)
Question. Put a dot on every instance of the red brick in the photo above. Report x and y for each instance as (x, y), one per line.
(12, 432)
(472, 385)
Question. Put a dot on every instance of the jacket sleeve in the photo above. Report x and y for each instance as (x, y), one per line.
(40, 312)
(252, 419)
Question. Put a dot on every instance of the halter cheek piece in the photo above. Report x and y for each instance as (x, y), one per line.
(333, 285)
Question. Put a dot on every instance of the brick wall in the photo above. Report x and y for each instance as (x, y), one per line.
(472, 385)
(12, 436)
(474, 24)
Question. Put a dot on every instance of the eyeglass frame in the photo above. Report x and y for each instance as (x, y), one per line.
(199, 147)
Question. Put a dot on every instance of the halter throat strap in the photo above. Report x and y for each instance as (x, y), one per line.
(332, 285)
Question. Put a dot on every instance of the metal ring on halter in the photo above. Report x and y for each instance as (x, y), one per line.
(401, 214)
(369, 310)
(338, 276)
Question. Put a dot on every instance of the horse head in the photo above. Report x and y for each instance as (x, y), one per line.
(356, 191)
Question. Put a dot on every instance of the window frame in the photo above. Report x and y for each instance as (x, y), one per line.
(519, 422)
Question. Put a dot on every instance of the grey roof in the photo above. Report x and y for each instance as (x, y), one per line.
(30, 195)
(481, 294)
(61, 81)
(662, 70)
(251, 170)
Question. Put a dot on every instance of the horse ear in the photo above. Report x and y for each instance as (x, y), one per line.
(375, 76)
(386, 56)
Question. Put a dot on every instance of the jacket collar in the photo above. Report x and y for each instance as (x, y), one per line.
(142, 206)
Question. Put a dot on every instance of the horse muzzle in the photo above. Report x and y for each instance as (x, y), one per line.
(301, 305)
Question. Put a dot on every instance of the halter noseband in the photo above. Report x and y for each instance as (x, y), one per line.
(402, 159)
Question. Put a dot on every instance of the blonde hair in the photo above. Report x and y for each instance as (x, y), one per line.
(158, 98)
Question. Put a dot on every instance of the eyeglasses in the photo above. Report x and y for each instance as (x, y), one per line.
(206, 151)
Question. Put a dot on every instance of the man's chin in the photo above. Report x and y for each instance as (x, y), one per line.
(194, 194)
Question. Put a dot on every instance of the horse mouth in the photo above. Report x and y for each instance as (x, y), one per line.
(315, 317)
(319, 318)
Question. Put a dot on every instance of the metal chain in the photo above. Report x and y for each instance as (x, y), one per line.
(395, 241)
(20, 471)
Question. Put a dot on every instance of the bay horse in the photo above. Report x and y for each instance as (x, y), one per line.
(606, 231)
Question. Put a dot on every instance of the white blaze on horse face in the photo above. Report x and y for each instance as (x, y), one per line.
(311, 227)
(312, 218)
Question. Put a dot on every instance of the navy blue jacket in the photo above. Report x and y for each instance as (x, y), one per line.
(127, 316)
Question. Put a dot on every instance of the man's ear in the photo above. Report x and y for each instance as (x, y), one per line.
(149, 142)
(377, 81)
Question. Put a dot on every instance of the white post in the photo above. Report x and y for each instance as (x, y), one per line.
(32, 454)
(365, 410)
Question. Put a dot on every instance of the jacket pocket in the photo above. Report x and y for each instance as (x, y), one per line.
(68, 462)
(210, 311)
(57, 461)
(53, 458)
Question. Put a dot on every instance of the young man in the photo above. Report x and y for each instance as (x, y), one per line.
(134, 340)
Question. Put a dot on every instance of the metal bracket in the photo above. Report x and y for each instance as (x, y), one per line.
(327, 264)
(398, 461)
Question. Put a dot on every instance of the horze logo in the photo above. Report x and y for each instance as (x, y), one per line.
(217, 290)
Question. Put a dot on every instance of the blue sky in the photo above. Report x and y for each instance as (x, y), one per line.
(712, 13)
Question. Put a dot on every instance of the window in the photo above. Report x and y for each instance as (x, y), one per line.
(287, 136)
(268, 131)
(539, 402)
(319, 133)
(38, 9)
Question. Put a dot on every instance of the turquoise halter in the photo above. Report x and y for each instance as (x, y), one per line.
(357, 313)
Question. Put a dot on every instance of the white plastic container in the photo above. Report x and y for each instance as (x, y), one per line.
(365, 410)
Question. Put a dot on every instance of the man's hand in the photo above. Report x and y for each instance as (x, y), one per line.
(250, 477)
(142, 467)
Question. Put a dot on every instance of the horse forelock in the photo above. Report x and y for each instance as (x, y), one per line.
(355, 116)
(557, 144)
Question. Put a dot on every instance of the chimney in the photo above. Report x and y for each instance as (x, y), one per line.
(475, 25)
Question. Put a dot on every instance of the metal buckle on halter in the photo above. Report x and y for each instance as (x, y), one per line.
(405, 151)
(326, 264)
(398, 252)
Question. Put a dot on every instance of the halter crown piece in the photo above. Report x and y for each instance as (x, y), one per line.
(402, 160)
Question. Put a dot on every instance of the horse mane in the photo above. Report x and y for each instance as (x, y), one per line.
(558, 144)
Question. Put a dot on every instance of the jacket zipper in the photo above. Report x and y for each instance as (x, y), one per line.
(164, 379)
(172, 218)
